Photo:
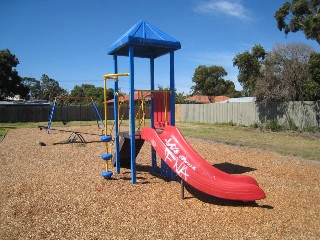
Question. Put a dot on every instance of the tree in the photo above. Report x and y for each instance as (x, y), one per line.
(97, 93)
(314, 67)
(312, 91)
(89, 90)
(179, 97)
(10, 81)
(285, 76)
(300, 15)
(50, 88)
(210, 81)
(231, 90)
(81, 91)
(34, 87)
(249, 65)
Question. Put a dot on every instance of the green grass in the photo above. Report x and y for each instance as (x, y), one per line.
(3, 132)
(54, 124)
(284, 143)
(4, 127)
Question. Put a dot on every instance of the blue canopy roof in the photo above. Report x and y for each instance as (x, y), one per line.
(148, 41)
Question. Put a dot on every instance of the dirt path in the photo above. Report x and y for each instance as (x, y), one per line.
(56, 192)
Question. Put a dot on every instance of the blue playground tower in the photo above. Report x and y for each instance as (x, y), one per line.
(143, 40)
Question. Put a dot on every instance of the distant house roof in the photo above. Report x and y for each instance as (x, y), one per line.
(198, 99)
(205, 99)
(242, 99)
(145, 95)
(220, 98)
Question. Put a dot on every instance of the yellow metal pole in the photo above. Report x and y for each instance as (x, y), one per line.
(105, 105)
(115, 75)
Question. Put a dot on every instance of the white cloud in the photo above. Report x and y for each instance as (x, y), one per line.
(223, 7)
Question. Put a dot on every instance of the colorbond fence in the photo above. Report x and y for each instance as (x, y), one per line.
(31, 113)
(40, 113)
(301, 114)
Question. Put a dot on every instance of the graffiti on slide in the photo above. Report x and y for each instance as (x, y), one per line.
(181, 164)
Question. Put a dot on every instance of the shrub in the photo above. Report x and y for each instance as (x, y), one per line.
(273, 126)
(256, 125)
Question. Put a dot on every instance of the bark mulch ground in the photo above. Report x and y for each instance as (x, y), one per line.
(56, 192)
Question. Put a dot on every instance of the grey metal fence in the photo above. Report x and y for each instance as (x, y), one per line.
(32, 113)
(40, 113)
(302, 114)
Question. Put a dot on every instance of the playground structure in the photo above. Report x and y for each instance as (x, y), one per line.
(82, 99)
(178, 158)
(74, 134)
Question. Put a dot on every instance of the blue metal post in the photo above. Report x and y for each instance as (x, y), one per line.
(132, 122)
(51, 115)
(172, 89)
(153, 152)
(172, 103)
(116, 117)
(96, 111)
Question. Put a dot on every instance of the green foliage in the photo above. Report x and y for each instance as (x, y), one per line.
(34, 86)
(89, 90)
(210, 81)
(312, 129)
(44, 89)
(179, 97)
(312, 88)
(50, 88)
(314, 67)
(273, 126)
(256, 125)
(249, 65)
(10, 81)
(300, 15)
(231, 123)
(97, 94)
(3, 132)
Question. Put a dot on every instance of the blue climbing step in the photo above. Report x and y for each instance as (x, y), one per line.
(105, 138)
(106, 156)
(107, 174)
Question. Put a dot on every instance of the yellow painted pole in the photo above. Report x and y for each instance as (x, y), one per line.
(105, 105)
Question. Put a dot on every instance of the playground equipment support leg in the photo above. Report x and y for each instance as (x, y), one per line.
(116, 117)
(172, 89)
(182, 189)
(153, 152)
(132, 121)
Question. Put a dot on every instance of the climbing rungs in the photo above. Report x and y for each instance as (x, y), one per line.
(106, 156)
(105, 138)
(107, 174)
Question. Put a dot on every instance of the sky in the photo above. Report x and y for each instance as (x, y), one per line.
(68, 40)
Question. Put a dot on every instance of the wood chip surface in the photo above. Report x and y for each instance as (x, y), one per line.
(56, 192)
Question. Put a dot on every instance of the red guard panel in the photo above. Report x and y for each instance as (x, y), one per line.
(161, 106)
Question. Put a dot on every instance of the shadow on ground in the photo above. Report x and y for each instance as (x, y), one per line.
(233, 168)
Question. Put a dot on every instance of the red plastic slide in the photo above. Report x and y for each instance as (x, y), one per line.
(173, 148)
